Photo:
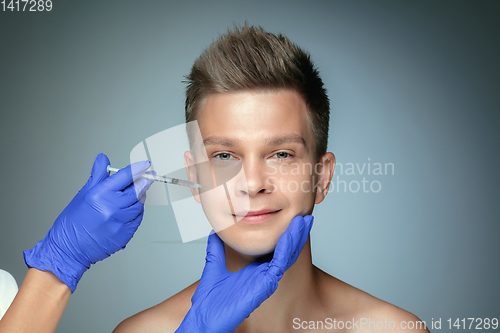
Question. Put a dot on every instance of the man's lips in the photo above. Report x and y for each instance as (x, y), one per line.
(257, 216)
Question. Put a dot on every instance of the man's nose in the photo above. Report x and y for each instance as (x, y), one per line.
(256, 178)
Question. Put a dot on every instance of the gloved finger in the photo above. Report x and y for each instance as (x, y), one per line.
(133, 192)
(143, 199)
(142, 195)
(99, 172)
(135, 223)
(142, 185)
(264, 285)
(216, 254)
(287, 244)
(124, 177)
(309, 221)
(129, 213)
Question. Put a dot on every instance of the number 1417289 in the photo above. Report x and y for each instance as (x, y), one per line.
(473, 323)
(26, 5)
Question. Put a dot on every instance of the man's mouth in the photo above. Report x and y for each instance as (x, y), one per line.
(257, 216)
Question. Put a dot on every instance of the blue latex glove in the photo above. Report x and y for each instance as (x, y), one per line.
(100, 220)
(223, 300)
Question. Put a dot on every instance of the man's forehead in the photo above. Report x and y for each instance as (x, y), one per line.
(251, 100)
(268, 118)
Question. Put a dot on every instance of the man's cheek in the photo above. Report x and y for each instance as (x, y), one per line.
(292, 185)
(217, 208)
(223, 203)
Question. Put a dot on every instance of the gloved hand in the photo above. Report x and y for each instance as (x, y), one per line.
(100, 220)
(223, 300)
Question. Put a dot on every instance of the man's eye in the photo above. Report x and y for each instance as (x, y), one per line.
(282, 154)
(223, 156)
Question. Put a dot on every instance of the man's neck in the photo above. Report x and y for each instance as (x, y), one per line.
(297, 290)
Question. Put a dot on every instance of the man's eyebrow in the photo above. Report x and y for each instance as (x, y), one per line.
(215, 140)
(286, 139)
(276, 141)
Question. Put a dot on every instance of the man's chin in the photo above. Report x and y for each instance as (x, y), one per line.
(258, 251)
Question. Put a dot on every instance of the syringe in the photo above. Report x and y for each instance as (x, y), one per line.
(163, 179)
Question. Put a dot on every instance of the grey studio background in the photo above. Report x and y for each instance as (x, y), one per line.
(413, 83)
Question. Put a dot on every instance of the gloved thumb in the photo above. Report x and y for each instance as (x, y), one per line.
(216, 254)
(99, 171)
(215, 266)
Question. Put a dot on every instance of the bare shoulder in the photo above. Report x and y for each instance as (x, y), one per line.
(163, 317)
(370, 313)
(388, 317)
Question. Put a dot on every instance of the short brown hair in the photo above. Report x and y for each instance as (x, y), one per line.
(250, 58)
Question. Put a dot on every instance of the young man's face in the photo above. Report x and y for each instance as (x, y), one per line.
(266, 135)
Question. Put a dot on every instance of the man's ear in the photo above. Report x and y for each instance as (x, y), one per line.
(191, 173)
(327, 162)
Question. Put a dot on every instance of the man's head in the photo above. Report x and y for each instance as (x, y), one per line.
(253, 59)
(260, 105)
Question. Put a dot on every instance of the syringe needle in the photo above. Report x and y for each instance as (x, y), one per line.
(163, 179)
